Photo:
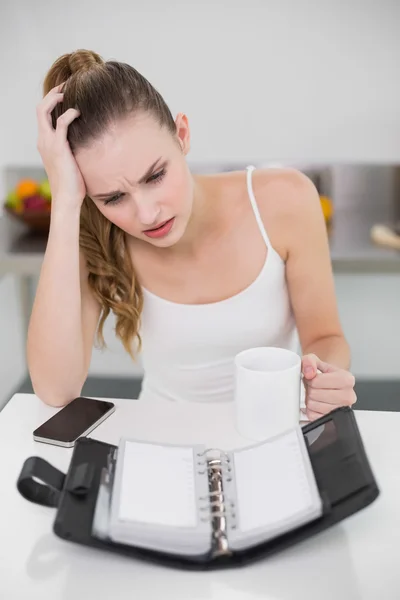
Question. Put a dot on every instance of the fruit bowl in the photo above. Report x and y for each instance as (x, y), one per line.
(34, 219)
(30, 203)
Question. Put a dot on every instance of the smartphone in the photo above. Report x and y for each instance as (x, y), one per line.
(76, 419)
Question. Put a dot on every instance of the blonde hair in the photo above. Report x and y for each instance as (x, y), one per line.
(104, 92)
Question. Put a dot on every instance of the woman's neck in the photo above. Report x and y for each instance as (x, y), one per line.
(204, 223)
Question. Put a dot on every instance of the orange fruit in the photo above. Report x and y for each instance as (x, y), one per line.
(327, 207)
(27, 187)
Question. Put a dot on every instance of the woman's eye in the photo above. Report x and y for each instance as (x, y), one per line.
(156, 177)
(114, 200)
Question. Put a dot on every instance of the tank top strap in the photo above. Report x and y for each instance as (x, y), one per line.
(253, 201)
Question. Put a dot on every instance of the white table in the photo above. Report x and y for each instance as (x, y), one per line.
(356, 560)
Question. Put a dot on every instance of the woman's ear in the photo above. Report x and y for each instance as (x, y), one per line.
(183, 132)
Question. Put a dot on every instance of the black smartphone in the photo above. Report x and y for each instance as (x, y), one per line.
(76, 419)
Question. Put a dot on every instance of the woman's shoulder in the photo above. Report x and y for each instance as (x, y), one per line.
(287, 200)
(289, 206)
(282, 193)
(287, 184)
(287, 196)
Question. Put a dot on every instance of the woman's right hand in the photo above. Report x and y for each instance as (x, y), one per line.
(66, 182)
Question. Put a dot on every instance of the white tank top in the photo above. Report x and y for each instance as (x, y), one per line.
(188, 350)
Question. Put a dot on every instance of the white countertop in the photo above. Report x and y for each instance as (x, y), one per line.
(355, 560)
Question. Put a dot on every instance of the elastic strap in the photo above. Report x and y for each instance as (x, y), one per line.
(254, 204)
(40, 482)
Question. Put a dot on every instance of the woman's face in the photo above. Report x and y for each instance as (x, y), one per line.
(137, 176)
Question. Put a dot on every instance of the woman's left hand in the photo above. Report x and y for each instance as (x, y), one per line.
(328, 389)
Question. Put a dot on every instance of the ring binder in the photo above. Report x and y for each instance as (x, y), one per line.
(220, 507)
(344, 491)
(222, 456)
(221, 453)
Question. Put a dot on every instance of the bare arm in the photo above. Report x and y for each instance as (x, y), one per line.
(333, 349)
(64, 318)
(65, 313)
(292, 214)
(299, 233)
(310, 277)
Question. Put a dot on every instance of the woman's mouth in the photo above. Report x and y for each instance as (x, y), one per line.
(160, 231)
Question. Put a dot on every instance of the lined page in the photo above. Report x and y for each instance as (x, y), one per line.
(274, 482)
(158, 485)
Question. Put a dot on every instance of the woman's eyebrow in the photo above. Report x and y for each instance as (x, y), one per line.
(141, 180)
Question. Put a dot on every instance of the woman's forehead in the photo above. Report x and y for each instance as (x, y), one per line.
(125, 150)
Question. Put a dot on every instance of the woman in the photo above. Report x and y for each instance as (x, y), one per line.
(195, 268)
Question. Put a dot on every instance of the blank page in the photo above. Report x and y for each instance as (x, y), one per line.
(274, 483)
(158, 485)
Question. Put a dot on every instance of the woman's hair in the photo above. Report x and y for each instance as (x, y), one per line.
(105, 92)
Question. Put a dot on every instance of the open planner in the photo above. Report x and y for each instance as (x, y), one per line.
(204, 508)
(193, 500)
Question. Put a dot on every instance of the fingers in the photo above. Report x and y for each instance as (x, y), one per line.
(343, 397)
(332, 381)
(320, 407)
(315, 410)
(46, 128)
(330, 388)
(64, 121)
(313, 416)
(46, 106)
(310, 365)
(44, 111)
(62, 125)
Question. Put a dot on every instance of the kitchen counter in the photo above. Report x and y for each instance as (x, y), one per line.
(352, 250)
(351, 247)
(21, 251)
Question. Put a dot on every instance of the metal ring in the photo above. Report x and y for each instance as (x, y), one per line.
(217, 515)
(218, 468)
(225, 503)
(209, 450)
(210, 494)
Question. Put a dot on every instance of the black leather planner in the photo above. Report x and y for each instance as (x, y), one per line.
(341, 471)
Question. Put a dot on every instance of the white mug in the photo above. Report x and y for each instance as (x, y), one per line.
(268, 392)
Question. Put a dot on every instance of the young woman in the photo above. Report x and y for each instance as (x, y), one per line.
(195, 268)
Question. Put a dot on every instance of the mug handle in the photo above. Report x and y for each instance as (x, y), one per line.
(303, 415)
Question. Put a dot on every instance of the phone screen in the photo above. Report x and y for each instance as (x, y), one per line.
(74, 420)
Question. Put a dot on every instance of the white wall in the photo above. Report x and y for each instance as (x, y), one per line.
(12, 347)
(260, 80)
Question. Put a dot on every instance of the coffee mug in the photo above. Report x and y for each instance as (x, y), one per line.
(269, 392)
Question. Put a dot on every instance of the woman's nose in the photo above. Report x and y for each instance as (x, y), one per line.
(148, 214)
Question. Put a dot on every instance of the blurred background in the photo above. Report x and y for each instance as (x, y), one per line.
(307, 83)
